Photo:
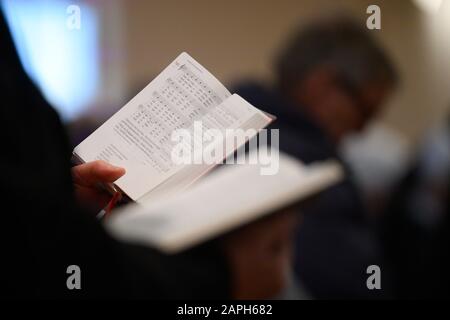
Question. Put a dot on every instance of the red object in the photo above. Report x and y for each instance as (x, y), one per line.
(112, 203)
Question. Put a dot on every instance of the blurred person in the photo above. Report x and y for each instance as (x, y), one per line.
(46, 229)
(332, 78)
(415, 227)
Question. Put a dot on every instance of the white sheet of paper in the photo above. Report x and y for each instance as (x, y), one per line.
(231, 196)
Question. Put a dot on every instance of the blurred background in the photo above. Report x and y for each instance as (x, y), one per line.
(89, 73)
(92, 71)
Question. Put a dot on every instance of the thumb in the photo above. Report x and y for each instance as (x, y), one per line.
(91, 173)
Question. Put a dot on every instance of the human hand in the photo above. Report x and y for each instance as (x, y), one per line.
(88, 177)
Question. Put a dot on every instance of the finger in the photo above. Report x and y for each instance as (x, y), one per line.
(93, 200)
(92, 173)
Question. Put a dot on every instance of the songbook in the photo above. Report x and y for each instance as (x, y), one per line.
(163, 135)
(229, 197)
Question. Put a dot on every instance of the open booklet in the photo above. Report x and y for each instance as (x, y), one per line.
(229, 197)
(140, 136)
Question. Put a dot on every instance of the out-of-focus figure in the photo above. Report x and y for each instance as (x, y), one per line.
(332, 78)
(416, 226)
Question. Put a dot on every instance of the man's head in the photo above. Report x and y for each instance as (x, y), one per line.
(337, 73)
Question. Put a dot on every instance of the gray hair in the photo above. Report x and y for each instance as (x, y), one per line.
(340, 43)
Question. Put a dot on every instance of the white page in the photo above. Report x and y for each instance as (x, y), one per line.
(240, 115)
(182, 93)
(230, 197)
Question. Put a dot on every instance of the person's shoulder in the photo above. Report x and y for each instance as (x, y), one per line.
(304, 145)
(258, 94)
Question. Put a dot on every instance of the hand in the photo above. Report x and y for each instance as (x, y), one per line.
(88, 178)
(260, 256)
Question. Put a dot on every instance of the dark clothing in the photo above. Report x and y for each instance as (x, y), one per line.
(417, 250)
(44, 231)
(334, 245)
